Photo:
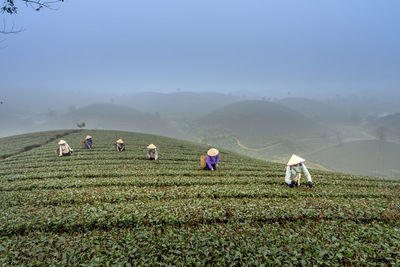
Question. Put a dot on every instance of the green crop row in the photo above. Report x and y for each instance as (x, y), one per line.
(101, 207)
(238, 244)
(102, 215)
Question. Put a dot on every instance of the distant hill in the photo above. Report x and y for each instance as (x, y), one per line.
(179, 104)
(368, 157)
(387, 127)
(14, 121)
(257, 123)
(319, 111)
(112, 116)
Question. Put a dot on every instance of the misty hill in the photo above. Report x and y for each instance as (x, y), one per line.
(257, 123)
(387, 127)
(181, 104)
(319, 111)
(112, 116)
(368, 157)
(13, 121)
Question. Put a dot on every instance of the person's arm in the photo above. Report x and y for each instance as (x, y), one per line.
(217, 160)
(70, 149)
(288, 174)
(156, 154)
(307, 173)
(208, 161)
(60, 149)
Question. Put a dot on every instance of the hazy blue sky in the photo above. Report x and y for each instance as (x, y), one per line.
(224, 45)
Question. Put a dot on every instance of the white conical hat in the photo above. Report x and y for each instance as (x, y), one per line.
(119, 141)
(295, 160)
(88, 137)
(151, 146)
(212, 152)
(62, 142)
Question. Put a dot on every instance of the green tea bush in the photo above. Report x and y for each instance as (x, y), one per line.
(101, 207)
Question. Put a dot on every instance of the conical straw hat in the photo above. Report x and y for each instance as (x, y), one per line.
(295, 160)
(119, 141)
(151, 146)
(88, 137)
(212, 152)
(62, 142)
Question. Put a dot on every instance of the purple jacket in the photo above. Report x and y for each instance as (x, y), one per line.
(88, 143)
(212, 160)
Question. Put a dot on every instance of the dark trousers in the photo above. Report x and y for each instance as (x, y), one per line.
(212, 165)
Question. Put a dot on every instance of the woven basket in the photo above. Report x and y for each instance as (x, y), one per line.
(203, 162)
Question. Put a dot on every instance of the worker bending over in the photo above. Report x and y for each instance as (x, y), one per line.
(294, 168)
(152, 152)
(212, 161)
(64, 149)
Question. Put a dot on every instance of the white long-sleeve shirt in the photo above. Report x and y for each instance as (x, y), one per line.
(291, 172)
(64, 149)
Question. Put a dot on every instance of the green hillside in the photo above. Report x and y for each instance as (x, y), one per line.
(258, 123)
(368, 157)
(101, 207)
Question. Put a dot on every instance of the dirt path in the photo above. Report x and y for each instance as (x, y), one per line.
(255, 149)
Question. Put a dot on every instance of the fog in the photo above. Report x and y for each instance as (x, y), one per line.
(265, 48)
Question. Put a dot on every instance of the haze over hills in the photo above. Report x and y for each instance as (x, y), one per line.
(322, 112)
(367, 157)
(386, 127)
(258, 123)
(179, 104)
(112, 116)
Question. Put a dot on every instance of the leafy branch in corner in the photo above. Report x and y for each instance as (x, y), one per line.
(10, 7)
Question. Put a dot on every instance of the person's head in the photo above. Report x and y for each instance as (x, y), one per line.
(151, 146)
(212, 152)
(295, 161)
(62, 142)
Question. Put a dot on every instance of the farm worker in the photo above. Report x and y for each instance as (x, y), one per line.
(64, 149)
(120, 146)
(212, 161)
(88, 142)
(152, 152)
(293, 171)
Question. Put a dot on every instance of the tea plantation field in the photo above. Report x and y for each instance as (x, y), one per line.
(102, 207)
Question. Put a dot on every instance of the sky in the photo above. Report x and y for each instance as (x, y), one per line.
(308, 48)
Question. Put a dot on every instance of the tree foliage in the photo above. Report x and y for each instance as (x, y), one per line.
(11, 6)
